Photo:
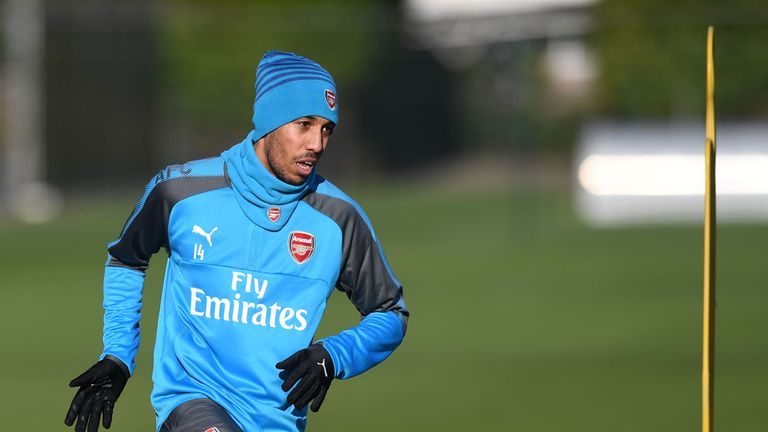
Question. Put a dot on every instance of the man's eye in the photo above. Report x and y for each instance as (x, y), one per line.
(327, 130)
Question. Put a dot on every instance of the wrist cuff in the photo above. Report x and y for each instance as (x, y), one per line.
(120, 363)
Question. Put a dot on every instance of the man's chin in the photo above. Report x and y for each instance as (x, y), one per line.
(293, 180)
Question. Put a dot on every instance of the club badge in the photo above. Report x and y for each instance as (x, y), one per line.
(330, 99)
(301, 245)
(273, 214)
(213, 429)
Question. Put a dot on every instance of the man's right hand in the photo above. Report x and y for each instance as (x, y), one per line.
(100, 386)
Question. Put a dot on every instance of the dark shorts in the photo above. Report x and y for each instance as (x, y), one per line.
(199, 415)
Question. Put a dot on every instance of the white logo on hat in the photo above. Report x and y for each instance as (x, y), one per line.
(330, 99)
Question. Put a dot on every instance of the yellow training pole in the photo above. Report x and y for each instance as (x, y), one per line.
(710, 225)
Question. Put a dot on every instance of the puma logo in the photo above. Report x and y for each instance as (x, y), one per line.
(325, 372)
(197, 230)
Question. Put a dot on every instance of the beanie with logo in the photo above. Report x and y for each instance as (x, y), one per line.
(289, 86)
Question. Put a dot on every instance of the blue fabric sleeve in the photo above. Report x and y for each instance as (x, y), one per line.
(122, 311)
(127, 259)
(362, 347)
(144, 233)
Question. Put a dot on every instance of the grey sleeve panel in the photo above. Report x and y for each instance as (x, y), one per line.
(114, 262)
(147, 231)
(363, 275)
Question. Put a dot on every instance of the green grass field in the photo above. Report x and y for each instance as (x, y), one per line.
(523, 320)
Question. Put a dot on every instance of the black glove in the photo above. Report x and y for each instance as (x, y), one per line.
(100, 387)
(312, 368)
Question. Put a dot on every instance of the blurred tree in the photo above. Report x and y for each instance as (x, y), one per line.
(407, 108)
(498, 95)
(100, 90)
(211, 49)
(652, 57)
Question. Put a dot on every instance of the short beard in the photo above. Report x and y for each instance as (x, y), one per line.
(276, 152)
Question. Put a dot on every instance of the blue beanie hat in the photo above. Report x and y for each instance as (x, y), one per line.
(289, 86)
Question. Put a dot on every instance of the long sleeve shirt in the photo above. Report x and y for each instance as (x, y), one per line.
(246, 286)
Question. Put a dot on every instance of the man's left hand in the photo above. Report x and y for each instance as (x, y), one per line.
(313, 369)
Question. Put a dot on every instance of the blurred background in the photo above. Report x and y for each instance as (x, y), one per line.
(534, 170)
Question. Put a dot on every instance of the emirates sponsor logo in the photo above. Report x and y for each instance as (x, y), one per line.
(330, 99)
(273, 214)
(301, 245)
(246, 303)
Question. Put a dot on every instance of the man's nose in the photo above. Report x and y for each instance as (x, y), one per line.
(315, 141)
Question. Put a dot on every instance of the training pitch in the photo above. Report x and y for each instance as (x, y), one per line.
(523, 320)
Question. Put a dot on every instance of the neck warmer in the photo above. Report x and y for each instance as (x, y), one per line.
(266, 200)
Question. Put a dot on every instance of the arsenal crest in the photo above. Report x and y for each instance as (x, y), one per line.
(213, 429)
(301, 245)
(273, 214)
(330, 99)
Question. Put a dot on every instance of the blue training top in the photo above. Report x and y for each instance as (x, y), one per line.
(246, 284)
